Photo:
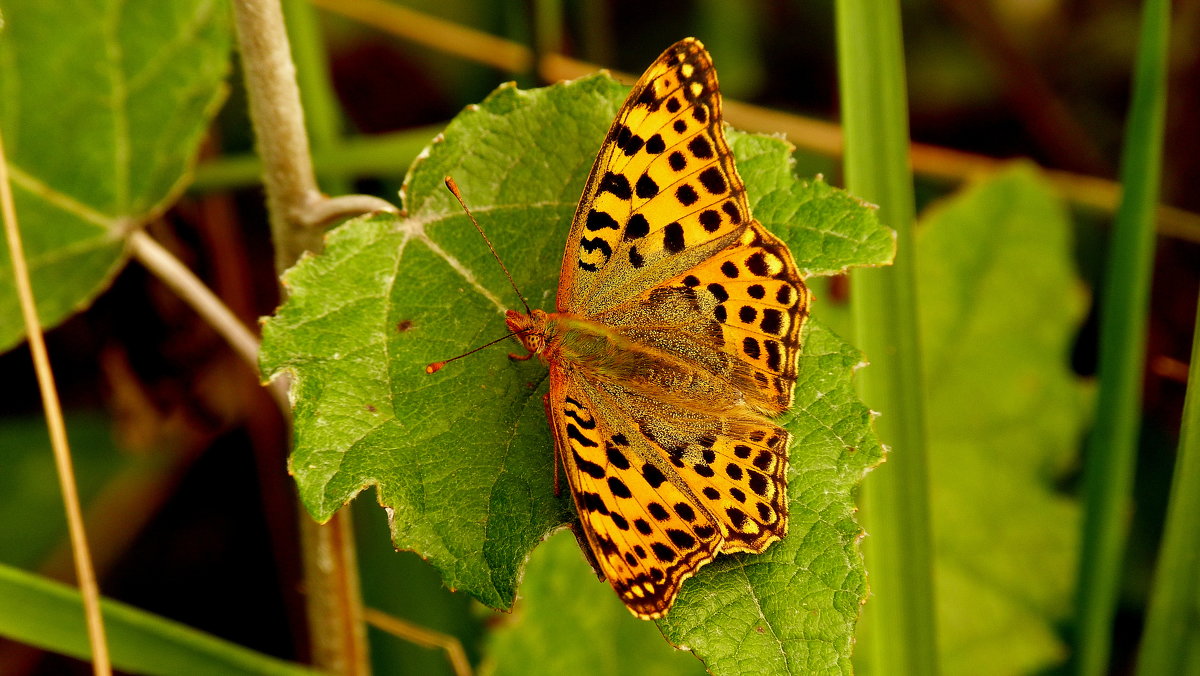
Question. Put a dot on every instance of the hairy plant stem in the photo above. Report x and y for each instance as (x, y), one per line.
(335, 612)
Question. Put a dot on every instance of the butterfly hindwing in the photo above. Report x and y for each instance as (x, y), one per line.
(754, 292)
(647, 534)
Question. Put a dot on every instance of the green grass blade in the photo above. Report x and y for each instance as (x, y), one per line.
(900, 614)
(1108, 475)
(48, 615)
(1171, 624)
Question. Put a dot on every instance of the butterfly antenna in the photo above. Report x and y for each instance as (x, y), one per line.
(437, 365)
(457, 195)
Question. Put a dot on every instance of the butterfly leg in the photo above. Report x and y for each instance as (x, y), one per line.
(587, 550)
(520, 357)
(557, 444)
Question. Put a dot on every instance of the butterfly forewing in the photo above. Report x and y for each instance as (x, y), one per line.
(663, 194)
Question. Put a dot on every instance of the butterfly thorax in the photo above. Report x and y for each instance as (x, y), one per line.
(604, 354)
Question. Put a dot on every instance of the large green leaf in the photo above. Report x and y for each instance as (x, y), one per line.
(1000, 304)
(463, 459)
(102, 106)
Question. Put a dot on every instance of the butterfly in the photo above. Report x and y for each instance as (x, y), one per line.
(674, 343)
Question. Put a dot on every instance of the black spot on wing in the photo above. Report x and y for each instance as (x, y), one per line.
(750, 347)
(598, 220)
(718, 291)
(587, 467)
(658, 511)
(681, 539)
(764, 460)
(617, 185)
(757, 263)
(619, 488)
(616, 458)
(685, 511)
(662, 552)
(731, 210)
(758, 482)
(653, 475)
(574, 433)
(772, 321)
(712, 180)
(700, 148)
(673, 238)
(596, 244)
(646, 187)
(636, 227)
(587, 424)
(774, 356)
(686, 195)
(592, 502)
(635, 258)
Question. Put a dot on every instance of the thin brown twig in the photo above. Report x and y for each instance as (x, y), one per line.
(422, 636)
(334, 600)
(332, 209)
(439, 34)
(88, 587)
(172, 272)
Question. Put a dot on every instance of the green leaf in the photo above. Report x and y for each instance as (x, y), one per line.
(49, 615)
(102, 107)
(463, 459)
(1000, 305)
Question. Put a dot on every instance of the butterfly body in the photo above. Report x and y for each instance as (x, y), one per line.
(673, 344)
(593, 350)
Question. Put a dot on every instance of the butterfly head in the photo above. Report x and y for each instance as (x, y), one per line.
(532, 329)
